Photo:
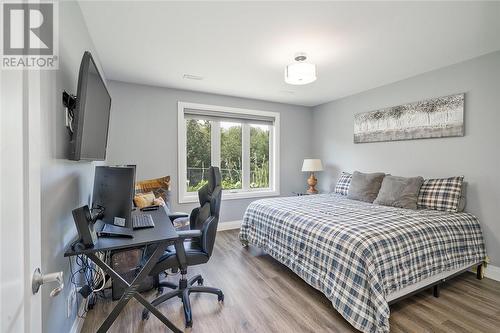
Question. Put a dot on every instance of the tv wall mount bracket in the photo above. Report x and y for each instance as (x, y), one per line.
(69, 102)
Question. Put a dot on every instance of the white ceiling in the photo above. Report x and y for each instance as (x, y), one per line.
(242, 48)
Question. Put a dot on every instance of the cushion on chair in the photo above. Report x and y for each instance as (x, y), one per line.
(194, 256)
(365, 186)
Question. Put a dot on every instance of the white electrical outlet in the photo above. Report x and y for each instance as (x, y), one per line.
(71, 301)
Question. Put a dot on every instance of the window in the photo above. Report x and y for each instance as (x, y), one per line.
(231, 155)
(259, 156)
(242, 143)
(198, 152)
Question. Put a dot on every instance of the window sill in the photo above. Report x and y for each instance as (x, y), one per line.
(232, 195)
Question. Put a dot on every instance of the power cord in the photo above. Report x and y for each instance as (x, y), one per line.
(93, 283)
(99, 212)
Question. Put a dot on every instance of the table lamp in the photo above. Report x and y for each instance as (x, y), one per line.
(312, 165)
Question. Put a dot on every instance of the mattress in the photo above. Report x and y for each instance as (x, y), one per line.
(358, 253)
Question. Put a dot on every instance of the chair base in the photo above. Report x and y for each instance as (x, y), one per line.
(182, 291)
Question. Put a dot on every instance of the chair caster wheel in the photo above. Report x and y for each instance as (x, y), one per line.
(189, 324)
(145, 315)
(200, 282)
(220, 298)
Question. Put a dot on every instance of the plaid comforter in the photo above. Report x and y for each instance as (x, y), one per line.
(357, 253)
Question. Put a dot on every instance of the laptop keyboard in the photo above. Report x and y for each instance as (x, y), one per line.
(140, 221)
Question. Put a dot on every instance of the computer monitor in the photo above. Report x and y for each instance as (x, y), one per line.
(114, 188)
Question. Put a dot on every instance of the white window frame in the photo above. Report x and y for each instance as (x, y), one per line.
(246, 191)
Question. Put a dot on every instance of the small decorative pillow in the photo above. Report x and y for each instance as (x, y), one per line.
(159, 201)
(399, 192)
(441, 194)
(343, 183)
(159, 186)
(463, 198)
(144, 200)
(365, 186)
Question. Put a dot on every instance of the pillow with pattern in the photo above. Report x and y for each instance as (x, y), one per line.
(441, 194)
(343, 183)
(159, 186)
(142, 200)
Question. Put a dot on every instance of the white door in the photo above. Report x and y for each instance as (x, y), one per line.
(20, 309)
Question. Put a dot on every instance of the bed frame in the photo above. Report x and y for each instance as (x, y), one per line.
(434, 282)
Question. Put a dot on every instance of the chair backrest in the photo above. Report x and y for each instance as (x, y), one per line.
(206, 218)
(209, 197)
(208, 234)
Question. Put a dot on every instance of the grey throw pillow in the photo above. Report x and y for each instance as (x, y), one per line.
(365, 186)
(399, 192)
(463, 196)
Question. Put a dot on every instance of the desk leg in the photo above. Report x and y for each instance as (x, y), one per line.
(131, 290)
(157, 313)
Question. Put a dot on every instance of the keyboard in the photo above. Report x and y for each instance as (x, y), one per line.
(141, 221)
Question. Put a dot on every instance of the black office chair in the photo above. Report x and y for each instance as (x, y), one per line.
(206, 209)
(194, 248)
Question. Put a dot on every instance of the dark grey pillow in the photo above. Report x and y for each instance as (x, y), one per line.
(399, 192)
(365, 186)
(463, 196)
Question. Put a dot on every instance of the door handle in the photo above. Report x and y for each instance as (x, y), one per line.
(39, 279)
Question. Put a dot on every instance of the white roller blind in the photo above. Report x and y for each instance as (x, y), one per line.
(227, 116)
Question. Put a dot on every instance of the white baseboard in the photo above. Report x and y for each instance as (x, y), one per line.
(229, 225)
(78, 323)
(492, 272)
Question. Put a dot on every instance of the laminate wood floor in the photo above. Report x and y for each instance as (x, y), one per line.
(262, 295)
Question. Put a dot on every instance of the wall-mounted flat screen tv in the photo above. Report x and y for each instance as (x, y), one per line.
(91, 114)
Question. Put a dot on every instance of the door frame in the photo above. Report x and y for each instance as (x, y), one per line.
(20, 199)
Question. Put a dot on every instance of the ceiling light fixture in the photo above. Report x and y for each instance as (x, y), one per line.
(300, 72)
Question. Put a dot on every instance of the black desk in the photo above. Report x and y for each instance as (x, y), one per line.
(161, 236)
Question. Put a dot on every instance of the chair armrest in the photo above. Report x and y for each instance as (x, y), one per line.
(176, 215)
(183, 234)
(180, 251)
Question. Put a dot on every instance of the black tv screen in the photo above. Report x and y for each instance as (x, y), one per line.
(91, 115)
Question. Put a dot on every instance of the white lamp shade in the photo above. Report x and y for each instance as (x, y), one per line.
(312, 165)
(300, 73)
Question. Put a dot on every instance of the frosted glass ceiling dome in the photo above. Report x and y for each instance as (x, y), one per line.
(300, 72)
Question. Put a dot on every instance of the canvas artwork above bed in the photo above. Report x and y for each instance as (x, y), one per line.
(432, 118)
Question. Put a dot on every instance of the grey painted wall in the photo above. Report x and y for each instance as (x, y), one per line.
(65, 184)
(476, 156)
(143, 131)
